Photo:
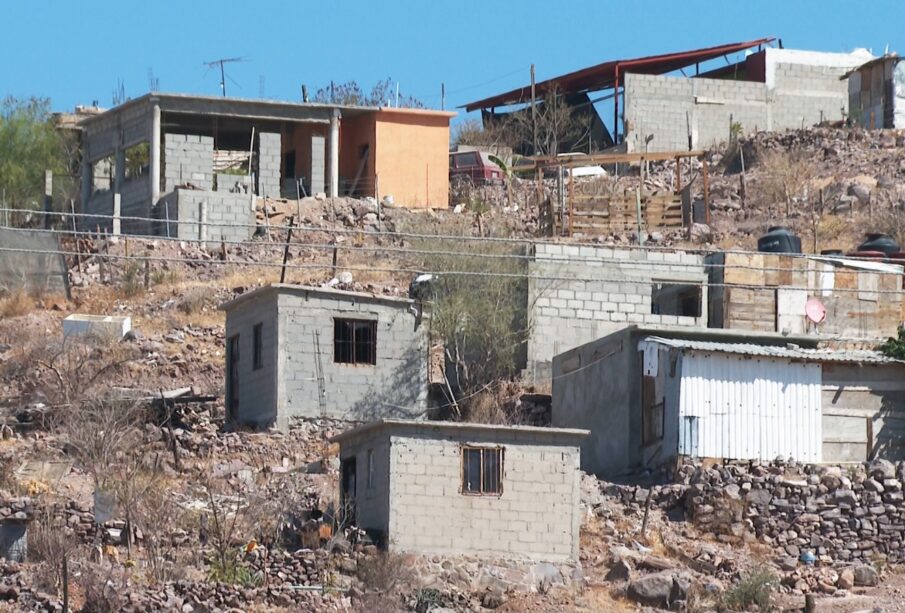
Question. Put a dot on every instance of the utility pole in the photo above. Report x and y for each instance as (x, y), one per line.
(533, 110)
(443, 96)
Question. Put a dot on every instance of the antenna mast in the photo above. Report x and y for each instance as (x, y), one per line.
(219, 63)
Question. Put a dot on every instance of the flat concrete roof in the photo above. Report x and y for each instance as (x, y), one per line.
(443, 428)
(255, 108)
(322, 292)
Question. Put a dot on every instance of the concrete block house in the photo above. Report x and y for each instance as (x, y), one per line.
(194, 165)
(650, 396)
(453, 488)
(294, 351)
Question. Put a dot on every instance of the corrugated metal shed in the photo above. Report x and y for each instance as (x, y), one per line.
(749, 407)
(791, 352)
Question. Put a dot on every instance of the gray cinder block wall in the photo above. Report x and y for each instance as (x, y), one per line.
(411, 492)
(208, 216)
(598, 290)
(269, 163)
(188, 158)
(302, 320)
(795, 95)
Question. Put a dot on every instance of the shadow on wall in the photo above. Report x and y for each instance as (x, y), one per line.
(887, 427)
(402, 395)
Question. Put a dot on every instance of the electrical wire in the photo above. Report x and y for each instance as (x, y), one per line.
(439, 273)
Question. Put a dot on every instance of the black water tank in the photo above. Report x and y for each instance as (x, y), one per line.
(879, 242)
(779, 239)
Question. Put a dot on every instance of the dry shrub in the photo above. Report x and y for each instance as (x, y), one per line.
(381, 575)
(891, 222)
(16, 304)
(50, 542)
(497, 404)
(103, 588)
(131, 281)
(192, 301)
(786, 175)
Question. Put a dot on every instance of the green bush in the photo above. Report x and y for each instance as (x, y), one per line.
(756, 588)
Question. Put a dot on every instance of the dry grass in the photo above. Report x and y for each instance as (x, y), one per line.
(597, 598)
(16, 304)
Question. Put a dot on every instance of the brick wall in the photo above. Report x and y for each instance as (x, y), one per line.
(269, 163)
(396, 386)
(536, 516)
(188, 158)
(599, 290)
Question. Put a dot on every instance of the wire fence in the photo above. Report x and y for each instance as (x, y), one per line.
(645, 263)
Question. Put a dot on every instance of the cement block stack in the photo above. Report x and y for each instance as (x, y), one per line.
(269, 160)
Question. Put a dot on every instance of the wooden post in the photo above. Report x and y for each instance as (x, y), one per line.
(571, 203)
(75, 235)
(533, 111)
(147, 274)
(286, 249)
(65, 583)
(646, 514)
(638, 212)
(678, 174)
(810, 603)
(706, 179)
(335, 257)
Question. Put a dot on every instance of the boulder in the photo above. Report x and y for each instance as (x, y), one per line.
(621, 570)
(865, 575)
(882, 469)
(652, 590)
(846, 579)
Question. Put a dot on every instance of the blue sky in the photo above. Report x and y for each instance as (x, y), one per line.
(77, 52)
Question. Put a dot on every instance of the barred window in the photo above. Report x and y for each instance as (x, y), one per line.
(482, 470)
(354, 341)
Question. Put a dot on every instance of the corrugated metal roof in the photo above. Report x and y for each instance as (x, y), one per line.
(603, 76)
(791, 352)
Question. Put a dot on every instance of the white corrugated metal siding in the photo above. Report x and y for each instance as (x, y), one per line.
(742, 407)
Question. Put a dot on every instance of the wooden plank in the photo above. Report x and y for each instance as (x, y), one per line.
(744, 269)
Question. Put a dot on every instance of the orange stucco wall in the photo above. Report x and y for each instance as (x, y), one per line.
(412, 159)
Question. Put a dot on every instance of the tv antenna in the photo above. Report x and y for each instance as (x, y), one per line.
(223, 75)
(153, 81)
(119, 93)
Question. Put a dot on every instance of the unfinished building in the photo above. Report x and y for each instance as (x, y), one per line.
(765, 292)
(454, 488)
(656, 110)
(650, 396)
(192, 166)
(582, 292)
(295, 351)
(876, 93)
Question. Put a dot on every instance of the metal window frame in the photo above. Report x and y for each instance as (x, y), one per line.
(372, 324)
(499, 449)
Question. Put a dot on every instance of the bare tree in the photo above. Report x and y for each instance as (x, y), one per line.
(559, 125)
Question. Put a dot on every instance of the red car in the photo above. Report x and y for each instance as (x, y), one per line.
(474, 165)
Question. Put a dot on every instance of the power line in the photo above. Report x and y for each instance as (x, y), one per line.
(439, 273)
(527, 241)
